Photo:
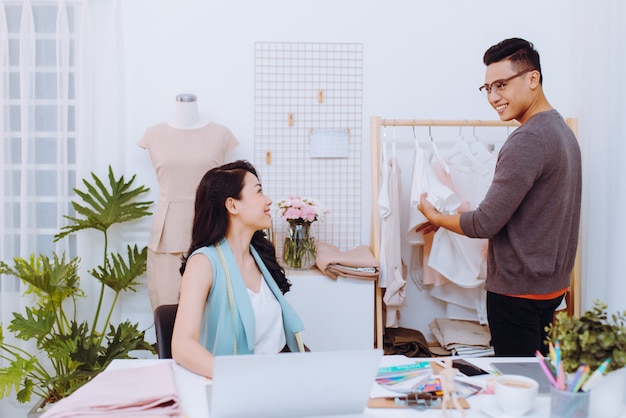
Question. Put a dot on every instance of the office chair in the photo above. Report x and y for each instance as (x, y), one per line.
(164, 316)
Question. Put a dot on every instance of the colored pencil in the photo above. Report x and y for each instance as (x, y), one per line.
(595, 376)
(545, 369)
(581, 379)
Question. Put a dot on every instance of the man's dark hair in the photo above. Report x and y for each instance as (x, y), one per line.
(520, 52)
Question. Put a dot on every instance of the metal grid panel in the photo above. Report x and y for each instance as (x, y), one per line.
(299, 87)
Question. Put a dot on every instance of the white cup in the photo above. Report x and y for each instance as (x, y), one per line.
(515, 394)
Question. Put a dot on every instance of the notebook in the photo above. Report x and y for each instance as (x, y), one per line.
(531, 369)
(292, 384)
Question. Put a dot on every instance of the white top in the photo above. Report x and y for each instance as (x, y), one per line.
(269, 330)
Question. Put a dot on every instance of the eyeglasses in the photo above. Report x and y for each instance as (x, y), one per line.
(499, 85)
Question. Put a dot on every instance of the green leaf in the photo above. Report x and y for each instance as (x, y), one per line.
(37, 324)
(12, 376)
(120, 275)
(52, 280)
(123, 340)
(24, 395)
(590, 338)
(102, 207)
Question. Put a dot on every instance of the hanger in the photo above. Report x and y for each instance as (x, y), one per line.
(436, 152)
(415, 140)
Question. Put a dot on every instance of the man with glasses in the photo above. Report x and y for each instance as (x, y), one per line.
(531, 212)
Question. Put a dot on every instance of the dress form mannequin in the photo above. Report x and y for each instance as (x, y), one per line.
(187, 115)
(182, 151)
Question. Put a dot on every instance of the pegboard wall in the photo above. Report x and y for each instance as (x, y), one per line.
(300, 89)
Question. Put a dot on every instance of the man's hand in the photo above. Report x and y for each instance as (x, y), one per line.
(428, 210)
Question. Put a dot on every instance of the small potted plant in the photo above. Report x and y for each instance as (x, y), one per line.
(590, 339)
(69, 352)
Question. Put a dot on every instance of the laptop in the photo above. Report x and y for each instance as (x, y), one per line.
(530, 369)
(292, 384)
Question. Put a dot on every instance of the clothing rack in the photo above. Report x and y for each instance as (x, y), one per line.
(376, 125)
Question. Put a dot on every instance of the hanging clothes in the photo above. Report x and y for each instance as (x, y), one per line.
(391, 258)
(451, 261)
(384, 210)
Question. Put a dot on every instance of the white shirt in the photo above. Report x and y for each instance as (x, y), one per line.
(268, 316)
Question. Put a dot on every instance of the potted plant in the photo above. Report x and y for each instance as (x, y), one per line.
(69, 352)
(591, 339)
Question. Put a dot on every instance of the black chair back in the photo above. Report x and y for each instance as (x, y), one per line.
(164, 317)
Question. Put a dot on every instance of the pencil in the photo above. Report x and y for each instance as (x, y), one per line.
(560, 377)
(552, 353)
(581, 379)
(557, 354)
(545, 369)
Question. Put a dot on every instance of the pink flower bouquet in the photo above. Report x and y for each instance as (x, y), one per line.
(305, 209)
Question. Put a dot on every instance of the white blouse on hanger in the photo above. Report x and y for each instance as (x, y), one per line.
(458, 183)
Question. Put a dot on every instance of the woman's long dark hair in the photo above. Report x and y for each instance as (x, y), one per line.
(211, 220)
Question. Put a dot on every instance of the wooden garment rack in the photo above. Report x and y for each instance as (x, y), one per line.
(376, 124)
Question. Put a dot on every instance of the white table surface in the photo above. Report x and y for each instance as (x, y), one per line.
(192, 392)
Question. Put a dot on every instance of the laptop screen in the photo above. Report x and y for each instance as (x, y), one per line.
(292, 384)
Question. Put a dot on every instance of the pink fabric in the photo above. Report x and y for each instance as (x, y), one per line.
(148, 391)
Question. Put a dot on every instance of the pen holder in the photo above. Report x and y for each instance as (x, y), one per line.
(564, 404)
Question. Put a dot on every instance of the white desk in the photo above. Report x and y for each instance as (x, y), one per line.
(192, 392)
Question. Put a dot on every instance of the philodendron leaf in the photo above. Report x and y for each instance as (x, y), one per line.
(36, 324)
(104, 206)
(24, 394)
(120, 275)
(124, 339)
(13, 375)
(51, 279)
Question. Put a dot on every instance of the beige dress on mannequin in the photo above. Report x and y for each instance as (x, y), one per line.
(182, 151)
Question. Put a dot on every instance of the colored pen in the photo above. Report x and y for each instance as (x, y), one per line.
(595, 376)
(545, 369)
(560, 377)
(582, 379)
(557, 354)
(550, 366)
(576, 378)
(552, 353)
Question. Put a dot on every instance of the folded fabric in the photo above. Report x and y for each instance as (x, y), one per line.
(358, 263)
(148, 391)
(449, 332)
(405, 341)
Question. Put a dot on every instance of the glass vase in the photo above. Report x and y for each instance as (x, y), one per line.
(299, 247)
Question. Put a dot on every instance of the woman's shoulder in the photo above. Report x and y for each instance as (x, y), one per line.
(209, 251)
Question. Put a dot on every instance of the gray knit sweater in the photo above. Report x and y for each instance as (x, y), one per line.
(531, 212)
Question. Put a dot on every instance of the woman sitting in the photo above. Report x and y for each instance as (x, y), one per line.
(231, 294)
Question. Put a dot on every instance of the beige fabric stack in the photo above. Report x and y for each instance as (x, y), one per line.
(357, 263)
(451, 333)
